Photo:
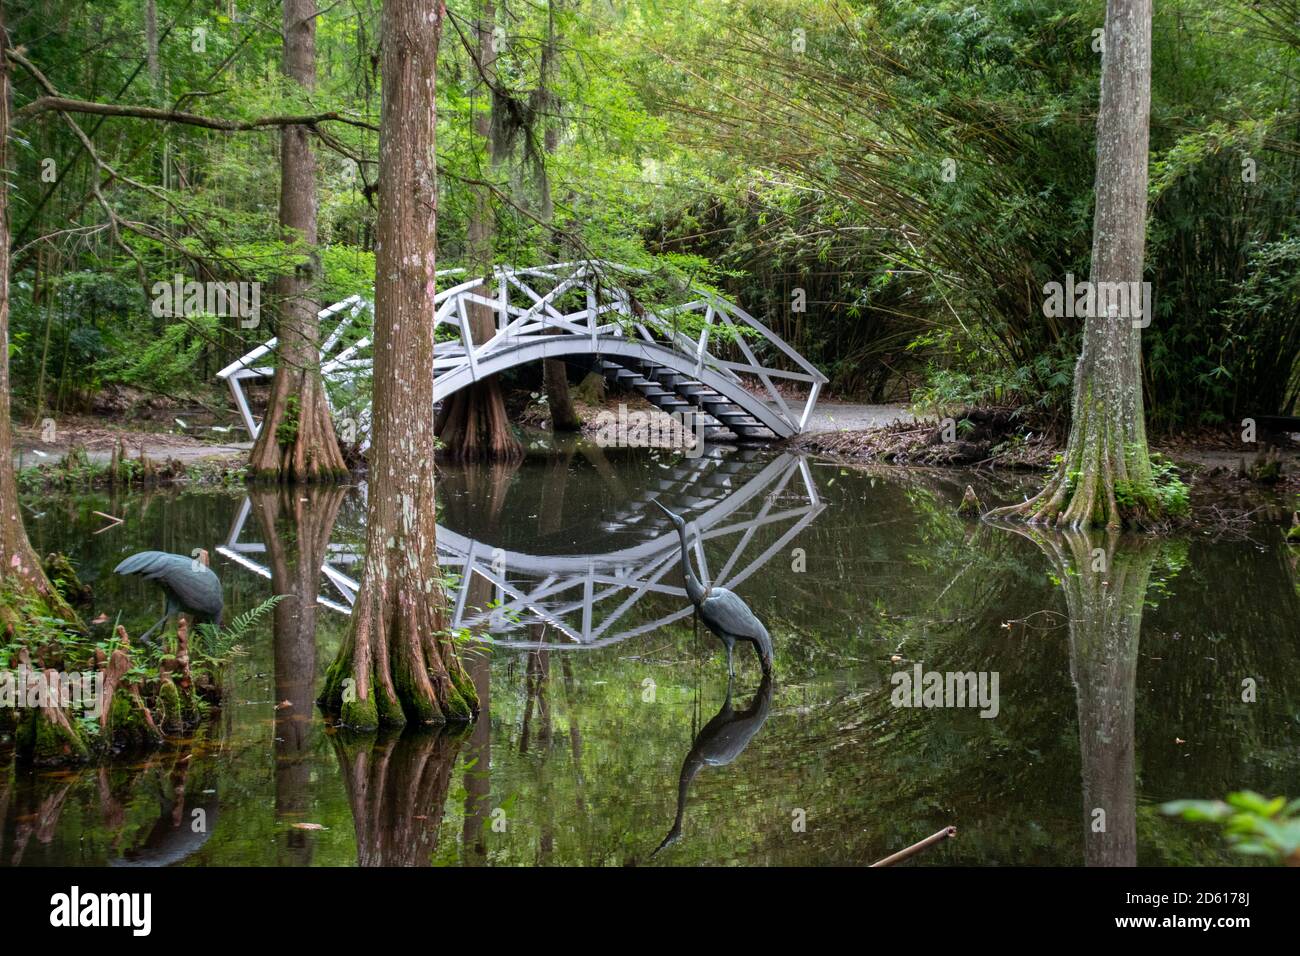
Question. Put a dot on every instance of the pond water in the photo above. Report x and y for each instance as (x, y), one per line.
(1127, 673)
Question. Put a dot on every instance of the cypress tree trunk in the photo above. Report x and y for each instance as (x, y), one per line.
(397, 662)
(297, 441)
(1107, 447)
(555, 376)
(17, 559)
(473, 423)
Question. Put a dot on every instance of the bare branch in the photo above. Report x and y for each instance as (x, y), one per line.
(63, 104)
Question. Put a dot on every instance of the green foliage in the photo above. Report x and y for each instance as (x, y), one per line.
(217, 644)
(1164, 494)
(30, 623)
(1253, 824)
(964, 381)
(890, 200)
(286, 433)
(167, 361)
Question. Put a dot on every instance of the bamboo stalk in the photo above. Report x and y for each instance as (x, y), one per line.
(916, 848)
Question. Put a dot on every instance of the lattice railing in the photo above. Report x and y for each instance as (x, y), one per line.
(584, 307)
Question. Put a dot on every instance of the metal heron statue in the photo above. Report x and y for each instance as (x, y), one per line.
(722, 611)
(188, 583)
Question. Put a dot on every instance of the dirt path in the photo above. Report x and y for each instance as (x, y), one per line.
(30, 448)
(831, 416)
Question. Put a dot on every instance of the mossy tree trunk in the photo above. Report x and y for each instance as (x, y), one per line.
(297, 441)
(1107, 447)
(398, 662)
(18, 561)
(473, 423)
(555, 375)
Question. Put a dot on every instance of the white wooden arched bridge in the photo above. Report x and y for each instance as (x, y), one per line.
(750, 509)
(702, 356)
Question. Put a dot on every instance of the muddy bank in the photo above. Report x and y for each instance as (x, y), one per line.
(1001, 438)
(1232, 486)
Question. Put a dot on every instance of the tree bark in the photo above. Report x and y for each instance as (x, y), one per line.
(1107, 447)
(151, 45)
(473, 423)
(17, 559)
(297, 441)
(555, 375)
(398, 662)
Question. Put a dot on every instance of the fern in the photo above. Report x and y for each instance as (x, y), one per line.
(218, 643)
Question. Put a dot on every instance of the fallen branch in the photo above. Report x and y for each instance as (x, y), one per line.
(916, 848)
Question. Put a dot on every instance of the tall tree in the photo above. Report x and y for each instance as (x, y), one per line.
(398, 662)
(473, 423)
(1107, 448)
(18, 561)
(297, 441)
(555, 376)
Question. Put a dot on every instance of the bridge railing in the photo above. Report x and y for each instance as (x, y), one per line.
(730, 341)
(586, 300)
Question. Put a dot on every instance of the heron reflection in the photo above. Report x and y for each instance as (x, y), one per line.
(720, 742)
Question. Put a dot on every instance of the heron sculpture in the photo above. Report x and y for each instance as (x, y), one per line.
(722, 611)
(188, 583)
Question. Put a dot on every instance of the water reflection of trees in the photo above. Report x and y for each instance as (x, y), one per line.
(1082, 698)
(1105, 580)
(156, 811)
(1099, 674)
(296, 525)
(397, 786)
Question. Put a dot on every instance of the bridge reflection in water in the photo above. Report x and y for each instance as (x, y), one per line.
(744, 504)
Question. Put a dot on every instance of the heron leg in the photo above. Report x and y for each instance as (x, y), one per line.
(145, 636)
(731, 672)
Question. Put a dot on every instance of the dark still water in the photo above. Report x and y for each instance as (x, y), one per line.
(1118, 664)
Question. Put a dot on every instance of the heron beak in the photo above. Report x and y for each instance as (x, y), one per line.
(656, 502)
